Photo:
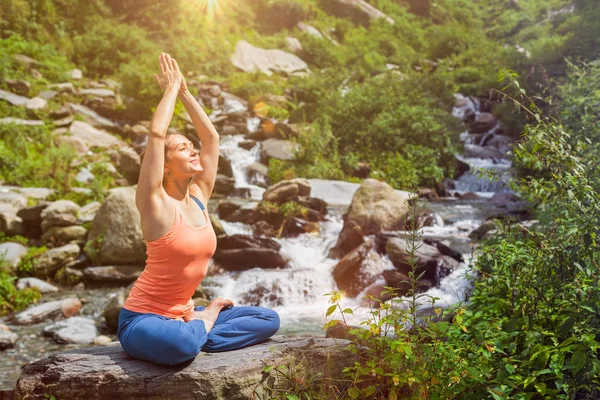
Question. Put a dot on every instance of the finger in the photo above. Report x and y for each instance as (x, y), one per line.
(168, 64)
(175, 65)
(157, 79)
(162, 63)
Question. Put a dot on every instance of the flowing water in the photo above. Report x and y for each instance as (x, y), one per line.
(298, 293)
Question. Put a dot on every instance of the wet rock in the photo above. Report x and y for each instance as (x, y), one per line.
(483, 123)
(375, 207)
(228, 130)
(8, 339)
(469, 196)
(13, 99)
(224, 167)
(51, 261)
(475, 151)
(226, 208)
(249, 58)
(358, 269)
(113, 309)
(278, 149)
(483, 231)
(120, 274)
(59, 213)
(287, 190)
(107, 372)
(42, 286)
(377, 293)
(52, 309)
(241, 252)
(115, 236)
(297, 226)
(18, 86)
(358, 11)
(12, 253)
(258, 174)
(72, 330)
(247, 144)
(224, 185)
(428, 259)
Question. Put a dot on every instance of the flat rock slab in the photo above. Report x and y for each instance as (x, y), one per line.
(108, 373)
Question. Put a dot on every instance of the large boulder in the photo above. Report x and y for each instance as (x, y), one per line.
(278, 149)
(249, 58)
(79, 330)
(483, 123)
(128, 163)
(52, 260)
(115, 236)
(113, 309)
(242, 252)
(358, 269)
(287, 190)
(93, 137)
(358, 11)
(12, 253)
(375, 207)
(115, 275)
(59, 213)
(106, 372)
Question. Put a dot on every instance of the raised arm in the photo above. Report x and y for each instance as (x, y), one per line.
(209, 155)
(150, 192)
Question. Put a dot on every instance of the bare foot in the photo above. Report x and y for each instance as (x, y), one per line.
(209, 314)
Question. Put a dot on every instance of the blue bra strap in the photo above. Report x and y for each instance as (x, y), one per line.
(199, 202)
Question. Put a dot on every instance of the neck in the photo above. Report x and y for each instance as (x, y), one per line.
(178, 189)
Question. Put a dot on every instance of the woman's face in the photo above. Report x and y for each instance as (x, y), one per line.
(183, 159)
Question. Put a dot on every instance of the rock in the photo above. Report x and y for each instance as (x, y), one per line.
(51, 261)
(13, 99)
(224, 167)
(234, 107)
(228, 130)
(16, 200)
(293, 44)
(102, 340)
(93, 137)
(249, 58)
(64, 122)
(76, 74)
(76, 143)
(469, 196)
(226, 208)
(84, 176)
(37, 103)
(136, 132)
(483, 123)
(311, 30)
(48, 95)
(278, 149)
(12, 253)
(358, 269)
(97, 92)
(67, 307)
(10, 223)
(427, 258)
(128, 163)
(26, 61)
(247, 144)
(36, 74)
(224, 185)
(474, 151)
(17, 121)
(258, 174)
(107, 372)
(59, 213)
(217, 225)
(376, 293)
(72, 330)
(18, 86)
(93, 117)
(115, 236)
(483, 231)
(42, 286)
(297, 226)
(65, 87)
(120, 274)
(286, 190)
(245, 241)
(239, 259)
(7, 338)
(420, 7)
(88, 212)
(375, 207)
(64, 234)
(358, 11)
(113, 309)
(501, 143)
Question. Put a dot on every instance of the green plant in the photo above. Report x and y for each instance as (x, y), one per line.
(11, 298)
(26, 266)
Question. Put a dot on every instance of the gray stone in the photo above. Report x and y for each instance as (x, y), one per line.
(128, 163)
(52, 309)
(35, 192)
(286, 190)
(16, 200)
(18, 86)
(108, 373)
(48, 94)
(37, 103)
(249, 58)
(62, 87)
(66, 121)
(92, 117)
(12, 253)
(88, 212)
(113, 274)
(51, 261)
(475, 151)
(293, 44)
(26, 61)
(115, 237)
(64, 234)
(17, 121)
(7, 338)
(357, 10)
(10, 223)
(278, 149)
(79, 330)
(84, 176)
(224, 184)
(12, 98)
(76, 143)
(76, 74)
(97, 92)
(93, 137)
(113, 309)
(59, 213)
(42, 286)
(358, 269)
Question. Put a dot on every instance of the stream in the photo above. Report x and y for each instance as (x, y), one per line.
(298, 292)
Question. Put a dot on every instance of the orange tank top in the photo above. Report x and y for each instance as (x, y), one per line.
(176, 264)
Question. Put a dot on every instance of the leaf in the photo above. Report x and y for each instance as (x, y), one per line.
(541, 388)
(510, 368)
(348, 311)
(528, 381)
(578, 361)
(268, 368)
(353, 392)
(292, 397)
(330, 310)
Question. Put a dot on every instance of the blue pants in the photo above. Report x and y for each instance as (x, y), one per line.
(162, 340)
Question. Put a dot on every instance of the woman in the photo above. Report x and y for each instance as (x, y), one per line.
(158, 322)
